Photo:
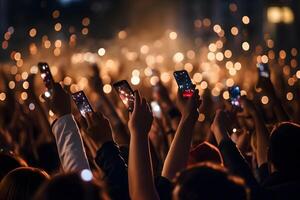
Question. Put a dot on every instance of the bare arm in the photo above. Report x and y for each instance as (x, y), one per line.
(141, 182)
(262, 133)
(178, 154)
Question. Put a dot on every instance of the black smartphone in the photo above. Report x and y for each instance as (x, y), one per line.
(82, 103)
(125, 93)
(184, 83)
(235, 95)
(46, 75)
(263, 70)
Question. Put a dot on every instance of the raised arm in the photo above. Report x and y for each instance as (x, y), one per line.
(119, 130)
(262, 133)
(68, 139)
(178, 153)
(141, 181)
(268, 88)
(233, 159)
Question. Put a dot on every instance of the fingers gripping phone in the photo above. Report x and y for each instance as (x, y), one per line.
(82, 103)
(263, 70)
(125, 93)
(184, 83)
(235, 95)
(47, 77)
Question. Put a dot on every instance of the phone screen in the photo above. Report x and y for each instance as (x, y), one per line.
(125, 93)
(156, 109)
(235, 94)
(46, 75)
(82, 103)
(263, 70)
(184, 83)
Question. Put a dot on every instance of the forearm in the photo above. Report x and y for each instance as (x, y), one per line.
(69, 144)
(279, 111)
(141, 182)
(119, 131)
(262, 139)
(109, 159)
(177, 156)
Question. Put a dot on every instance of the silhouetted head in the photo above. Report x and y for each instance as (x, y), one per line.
(285, 147)
(70, 186)
(207, 181)
(205, 152)
(9, 162)
(22, 183)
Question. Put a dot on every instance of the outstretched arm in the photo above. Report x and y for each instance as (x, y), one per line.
(178, 154)
(67, 135)
(141, 182)
(262, 133)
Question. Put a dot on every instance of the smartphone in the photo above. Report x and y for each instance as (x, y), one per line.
(263, 70)
(46, 75)
(125, 93)
(184, 83)
(156, 109)
(235, 95)
(82, 103)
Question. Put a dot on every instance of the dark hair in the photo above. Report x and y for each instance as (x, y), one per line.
(284, 147)
(9, 162)
(69, 186)
(22, 183)
(209, 181)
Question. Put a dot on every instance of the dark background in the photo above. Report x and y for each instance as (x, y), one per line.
(108, 17)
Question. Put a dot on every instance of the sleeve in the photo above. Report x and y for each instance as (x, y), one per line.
(110, 161)
(69, 144)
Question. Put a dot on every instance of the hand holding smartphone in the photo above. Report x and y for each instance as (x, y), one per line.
(125, 93)
(82, 103)
(184, 83)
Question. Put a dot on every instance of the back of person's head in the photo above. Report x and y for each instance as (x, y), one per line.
(22, 183)
(9, 162)
(208, 181)
(70, 186)
(284, 147)
(205, 152)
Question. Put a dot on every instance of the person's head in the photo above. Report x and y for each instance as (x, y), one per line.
(9, 162)
(208, 181)
(22, 183)
(70, 186)
(205, 152)
(284, 148)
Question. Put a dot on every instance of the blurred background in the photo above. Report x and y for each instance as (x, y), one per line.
(218, 42)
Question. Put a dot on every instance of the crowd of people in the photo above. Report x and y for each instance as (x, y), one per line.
(110, 153)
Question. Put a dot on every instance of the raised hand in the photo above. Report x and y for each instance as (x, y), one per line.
(140, 120)
(220, 125)
(59, 102)
(98, 128)
(188, 107)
